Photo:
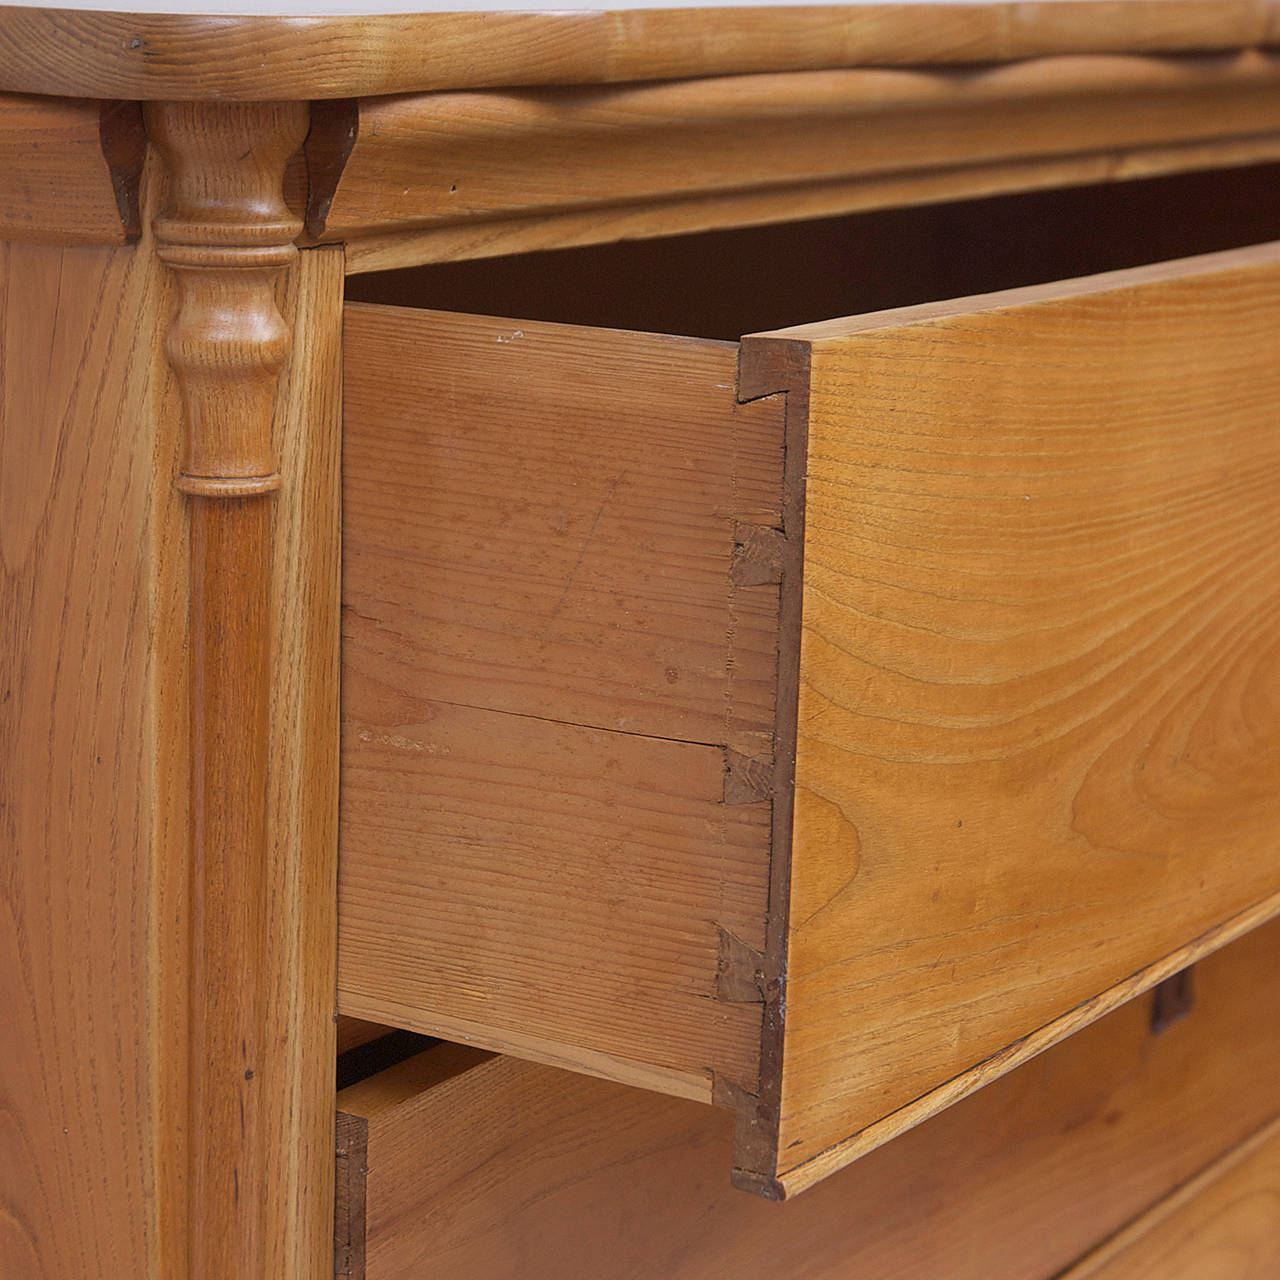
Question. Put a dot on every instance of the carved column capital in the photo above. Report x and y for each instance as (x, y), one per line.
(228, 235)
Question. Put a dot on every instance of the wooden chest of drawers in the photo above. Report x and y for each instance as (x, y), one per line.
(740, 718)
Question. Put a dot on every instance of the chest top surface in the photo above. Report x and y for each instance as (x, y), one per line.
(317, 49)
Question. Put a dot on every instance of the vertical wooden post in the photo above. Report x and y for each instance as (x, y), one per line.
(227, 235)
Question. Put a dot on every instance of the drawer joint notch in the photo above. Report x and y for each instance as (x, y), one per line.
(742, 973)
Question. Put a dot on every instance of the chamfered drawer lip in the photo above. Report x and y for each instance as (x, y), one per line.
(1004, 539)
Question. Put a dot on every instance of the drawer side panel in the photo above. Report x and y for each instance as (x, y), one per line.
(560, 631)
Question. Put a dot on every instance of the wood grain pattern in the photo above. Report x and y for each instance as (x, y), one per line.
(535, 1173)
(351, 1148)
(700, 284)
(94, 790)
(353, 1032)
(458, 241)
(1044, 657)
(87, 1034)
(1037, 748)
(1223, 1225)
(227, 236)
(302, 795)
(544, 888)
(263, 681)
(525, 531)
(544, 659)
(58, 186)
(430, 175)
(183, 56)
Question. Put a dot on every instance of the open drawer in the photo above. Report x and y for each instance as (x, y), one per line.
(818, 725)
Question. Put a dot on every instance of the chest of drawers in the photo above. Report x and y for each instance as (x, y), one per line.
(811, 718)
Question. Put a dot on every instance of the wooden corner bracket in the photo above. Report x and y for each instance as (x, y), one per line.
(228, 237)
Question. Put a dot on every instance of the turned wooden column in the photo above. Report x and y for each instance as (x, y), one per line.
(227, 236)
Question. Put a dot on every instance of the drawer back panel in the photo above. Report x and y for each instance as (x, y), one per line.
(546, 656)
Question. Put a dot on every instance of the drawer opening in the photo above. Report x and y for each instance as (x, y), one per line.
(727, 283)
(378, 1054)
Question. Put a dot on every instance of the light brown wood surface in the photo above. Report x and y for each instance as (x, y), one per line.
(488, 1168)
(1037, 748)
(1036, 759)
(702, 284)
(547, 889)
(101, 1019)
(437, 176)
(295, 960)
(455, 242)
(187, 56)
(1052, 890)
(261, 873)
(544, 660)
(302, 795)
(1223, 1225)
(354, 1032)
(118, 1159)
(85, 1011)
(59, 187)
(540, 519)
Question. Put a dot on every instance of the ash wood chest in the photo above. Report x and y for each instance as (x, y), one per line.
(686, 597)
